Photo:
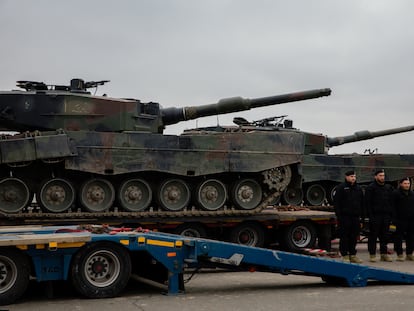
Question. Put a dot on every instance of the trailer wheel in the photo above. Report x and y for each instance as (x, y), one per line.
(193, 230)
(249, 234)
(14, 275)
(299, 235)
(101, 270)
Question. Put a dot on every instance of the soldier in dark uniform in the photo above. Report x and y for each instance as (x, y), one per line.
(378, 200)
(403, 199)
(348, 202)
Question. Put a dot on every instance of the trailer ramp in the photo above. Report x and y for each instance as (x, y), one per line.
(100, 264)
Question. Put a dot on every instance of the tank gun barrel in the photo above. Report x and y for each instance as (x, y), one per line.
(365, 135)
(233, 104)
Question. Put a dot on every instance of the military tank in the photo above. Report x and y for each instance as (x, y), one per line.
(81, 155)
(322, 172)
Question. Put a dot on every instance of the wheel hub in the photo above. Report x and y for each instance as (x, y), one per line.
(55, 194)
(246, 193)
(8, 274)
(96, 194)
(134, 194)
(10, 195)
(98, 267)
(210, 193)
(172, 194)
(3, 273)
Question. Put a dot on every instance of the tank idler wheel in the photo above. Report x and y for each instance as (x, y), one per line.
(14, 195)
(174, 194)
(56, 195)
(315, 195)
(247, 194)
(14, 275)
(134, 195)
(211, 194)
(97, 195)
(293, 196)
(101, 270)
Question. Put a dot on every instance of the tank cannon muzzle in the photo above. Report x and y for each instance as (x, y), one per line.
(365, 135)
(234, 104)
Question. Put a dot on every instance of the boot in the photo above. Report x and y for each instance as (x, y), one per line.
(372, 258)
(410, 257)
(386, 257)
(355, 259)
(400, 257)
(346, 259)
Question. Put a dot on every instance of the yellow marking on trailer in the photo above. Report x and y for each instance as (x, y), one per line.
(160, 243)
(178, 243)
(71, 245)
(124, 242)
(40, 246)
(53, 245)
(171, 254)
(22, 247)
(141, 240)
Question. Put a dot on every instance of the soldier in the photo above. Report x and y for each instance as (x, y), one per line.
(378, 200)
(403, 199)
(348, 202)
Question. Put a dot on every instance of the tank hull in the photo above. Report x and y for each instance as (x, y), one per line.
(135, 171)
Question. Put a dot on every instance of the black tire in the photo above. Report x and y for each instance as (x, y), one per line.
(193, 230)
(299, 235)
(248, 234)
(14, 275)
(101, 270)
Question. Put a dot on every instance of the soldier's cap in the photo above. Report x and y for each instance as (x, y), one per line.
(349, 173)
(378, 171)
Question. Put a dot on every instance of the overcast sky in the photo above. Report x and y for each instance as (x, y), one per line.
(191, 52)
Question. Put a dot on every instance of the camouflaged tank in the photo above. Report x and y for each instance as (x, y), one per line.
(81, 155)
(322, 172)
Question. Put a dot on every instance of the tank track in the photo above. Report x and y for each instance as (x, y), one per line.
(44, 217)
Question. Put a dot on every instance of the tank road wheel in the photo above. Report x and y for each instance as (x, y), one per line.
(14, 195)
(97, 195)
(211, 194)
(56, 195)
(134, 195)
(14, 275)
(316, 194)
(247, 194)
(101, 270)
(174, 194)
(293, 196)
(248, 234)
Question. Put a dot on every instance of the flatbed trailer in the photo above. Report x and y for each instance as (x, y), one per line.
(292, 228)
(99, 262)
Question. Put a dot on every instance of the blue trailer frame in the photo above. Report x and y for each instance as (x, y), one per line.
(100, 264)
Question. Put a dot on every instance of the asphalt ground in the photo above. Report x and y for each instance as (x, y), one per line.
(220, 290)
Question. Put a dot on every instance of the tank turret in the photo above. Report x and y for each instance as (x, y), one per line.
(365, 135)
(51, 107)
